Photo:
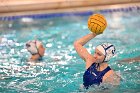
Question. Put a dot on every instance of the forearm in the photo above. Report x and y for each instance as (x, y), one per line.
(82, 41)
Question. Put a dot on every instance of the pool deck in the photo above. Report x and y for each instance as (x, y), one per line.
(20, 7)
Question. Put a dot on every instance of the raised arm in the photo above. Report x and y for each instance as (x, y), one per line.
(82, 52)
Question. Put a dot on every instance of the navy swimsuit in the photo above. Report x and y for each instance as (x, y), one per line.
(92, 76)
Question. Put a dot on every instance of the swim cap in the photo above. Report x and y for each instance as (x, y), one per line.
(32, 46)
(107, 49)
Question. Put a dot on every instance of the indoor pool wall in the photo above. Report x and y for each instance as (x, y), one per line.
(9, 6)
(62, 71)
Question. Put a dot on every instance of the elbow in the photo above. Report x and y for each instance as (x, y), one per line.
(75, 44)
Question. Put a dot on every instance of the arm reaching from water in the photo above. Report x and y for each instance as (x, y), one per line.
(135, 59)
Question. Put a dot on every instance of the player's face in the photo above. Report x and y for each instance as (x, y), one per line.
(99, 56)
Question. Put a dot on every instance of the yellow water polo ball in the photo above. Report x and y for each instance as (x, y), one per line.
(97, 23)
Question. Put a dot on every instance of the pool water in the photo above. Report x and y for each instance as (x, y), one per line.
(61, 70)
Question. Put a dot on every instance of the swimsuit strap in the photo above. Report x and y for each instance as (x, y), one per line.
(93, 68)
(104, 72)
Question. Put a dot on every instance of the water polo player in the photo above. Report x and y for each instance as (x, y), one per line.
(97, 69)
(36, 49)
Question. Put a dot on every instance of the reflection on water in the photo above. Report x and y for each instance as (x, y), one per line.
(61, 69)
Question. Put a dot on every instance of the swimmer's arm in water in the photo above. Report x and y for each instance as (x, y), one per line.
(112, 79)
(135, 59)
(82, 52)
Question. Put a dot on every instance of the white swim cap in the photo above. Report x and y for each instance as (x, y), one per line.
(32, 46)
(107, 49)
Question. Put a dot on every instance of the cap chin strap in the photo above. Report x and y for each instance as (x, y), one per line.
(38, 54)
(98, 64)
